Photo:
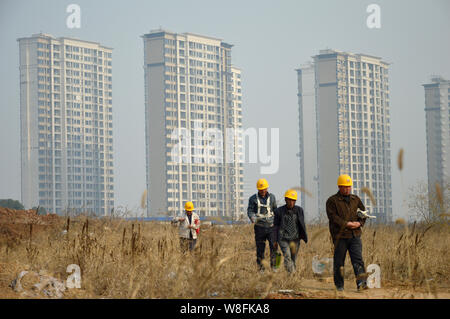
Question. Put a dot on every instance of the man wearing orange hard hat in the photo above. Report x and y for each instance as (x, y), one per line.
(290, 229)
(261, 207)
(189, 226)
(345, 228)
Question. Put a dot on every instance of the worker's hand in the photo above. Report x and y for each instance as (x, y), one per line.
(181, 219)
(353, 225)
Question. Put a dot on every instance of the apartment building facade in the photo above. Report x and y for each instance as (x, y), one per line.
(66, 125)
(193, 104)
(353, 128)
(308, 140)
(437, 112)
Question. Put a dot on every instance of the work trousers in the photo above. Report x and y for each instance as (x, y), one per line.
(187, 244)
(290, 251)
(261, 235)
(354, 247)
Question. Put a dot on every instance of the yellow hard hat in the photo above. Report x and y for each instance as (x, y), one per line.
(291, 194)
(262, 184)
(189, 206)
(344, 180)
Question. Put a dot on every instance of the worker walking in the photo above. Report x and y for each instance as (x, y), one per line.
(290, 228)
(345, 228)
(189, 226)
(261, 207)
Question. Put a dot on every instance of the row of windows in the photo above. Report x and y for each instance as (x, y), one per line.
(357, 90)
(192, 80)
(58, 186)
(361, 65)
(93, 52)
(75, 203)
(89, 66)
(192, 45)
(219, 190)
(47, 71)
(94, 107)
(42, 45)
(58, 154)
(76, 49)
(364, 82)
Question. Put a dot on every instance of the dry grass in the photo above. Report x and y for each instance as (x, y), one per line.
(125, 259)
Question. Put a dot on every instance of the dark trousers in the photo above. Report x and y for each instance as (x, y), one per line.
(187, 244)
(354, 247)
(261, 235)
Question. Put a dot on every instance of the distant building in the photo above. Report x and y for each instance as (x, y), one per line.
(191, 88)
(437, 112)
(308, 141)
(66, 124)
(353, 128)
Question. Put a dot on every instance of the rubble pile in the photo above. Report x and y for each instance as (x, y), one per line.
(15, 224)
(12, 216)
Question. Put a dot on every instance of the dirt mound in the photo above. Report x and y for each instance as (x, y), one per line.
(12, 216)
(14, 224)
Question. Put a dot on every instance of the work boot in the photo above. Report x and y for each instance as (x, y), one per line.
(362, 286)
(261, 269)
(340, 288)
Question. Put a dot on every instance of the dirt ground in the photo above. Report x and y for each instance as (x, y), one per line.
(310, 289)
(315, 289)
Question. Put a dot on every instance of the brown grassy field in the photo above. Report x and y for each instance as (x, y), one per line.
(126, 259)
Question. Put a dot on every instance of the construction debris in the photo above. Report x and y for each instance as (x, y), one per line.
(46, 285)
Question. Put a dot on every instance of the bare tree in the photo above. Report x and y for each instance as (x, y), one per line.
(429, 206)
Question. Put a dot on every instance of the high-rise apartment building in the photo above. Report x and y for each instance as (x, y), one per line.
(437, 111)
(193, 106)
(308, 140)
(353, 127)
(66, 124)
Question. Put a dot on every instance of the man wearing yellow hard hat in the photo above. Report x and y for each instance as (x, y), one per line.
(189, 226)
(261, 207)
(290, 228)
(345, 228)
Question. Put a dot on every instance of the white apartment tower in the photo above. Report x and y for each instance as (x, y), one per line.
(437, 111)
(308, 140)
(353, 128)
(66, 125)
(192, 100)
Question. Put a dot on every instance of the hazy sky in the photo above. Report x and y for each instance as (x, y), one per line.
(271, 39)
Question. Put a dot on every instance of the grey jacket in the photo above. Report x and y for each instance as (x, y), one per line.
(263, 219)
(279, 225)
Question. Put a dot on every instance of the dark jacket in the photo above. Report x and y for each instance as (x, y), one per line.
(278, 222)
(339, 213)
(253, 209)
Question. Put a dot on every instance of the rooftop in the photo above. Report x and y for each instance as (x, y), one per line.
(333, 51)
(46, 35)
